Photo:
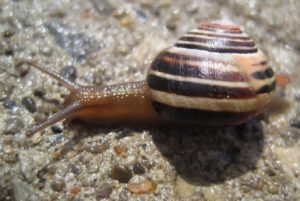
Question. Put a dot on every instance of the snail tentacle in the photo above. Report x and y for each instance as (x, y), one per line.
(71, 86)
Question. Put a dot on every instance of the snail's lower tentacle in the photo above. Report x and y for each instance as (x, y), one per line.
(65, 113)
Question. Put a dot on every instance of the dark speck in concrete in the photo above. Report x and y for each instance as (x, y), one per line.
(69, 72)
(121, 173)
(295, 123)
(29, 104)
(56, 129)
(9, 104)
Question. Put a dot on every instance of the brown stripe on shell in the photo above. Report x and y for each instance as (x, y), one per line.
(197, 89)
(216, 49)
(219, 35)
(220, 26)
(202, 117)
(178, 66)
(218, 42)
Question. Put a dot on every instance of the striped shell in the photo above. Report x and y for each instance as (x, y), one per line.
(213, 75)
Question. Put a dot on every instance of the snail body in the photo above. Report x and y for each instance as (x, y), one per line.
(213, 75)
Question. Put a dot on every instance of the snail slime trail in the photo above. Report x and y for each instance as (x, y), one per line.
(213, 75)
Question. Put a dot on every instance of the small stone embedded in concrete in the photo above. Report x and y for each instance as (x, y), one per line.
(39, 93)
(121, 173)
(13, 125)
(74, 169)
(56, 129)
(96, 147)
(142, 187)
(86, 181)
(295, 123)
(9, 51)
(8, 33)
(10, 104)
(103, 191)
(29, 104)
(58, 184)
(22, 68)
(138, 168)
(103, 6)
(123, 195)
(69, 72)
(51, 169)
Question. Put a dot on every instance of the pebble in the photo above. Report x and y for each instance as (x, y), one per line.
(103, 191)
(123, 195)
(36, 139)
(273, 188)
(121, 173)
(56, 129)
(22, 68)
(58, 184)
(103, 6)
(9, 51)
(85, 180)
(39, 93)
(85, 158)
(118, 150)
(29, 104)
(8, 33)
(47, 51)
(3, 90)
(95, 147)
(295, 123)
(9, 104)
(13, 125)
(51, 169)
(69, 72)
(10, 155)
(140, 14)
(56, 139)
(142, 187)
(138, 169)
(171, 25)
(74, 169)
(75, 190)
(97, 77)
(126, 21)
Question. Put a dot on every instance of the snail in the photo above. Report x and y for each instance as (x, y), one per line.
(213, 76)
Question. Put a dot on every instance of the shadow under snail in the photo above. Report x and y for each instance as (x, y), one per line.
(213, 76)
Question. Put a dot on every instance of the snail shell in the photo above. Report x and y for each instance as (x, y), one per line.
(213, 75)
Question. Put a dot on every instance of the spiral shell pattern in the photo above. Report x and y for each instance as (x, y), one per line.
(213, 75)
